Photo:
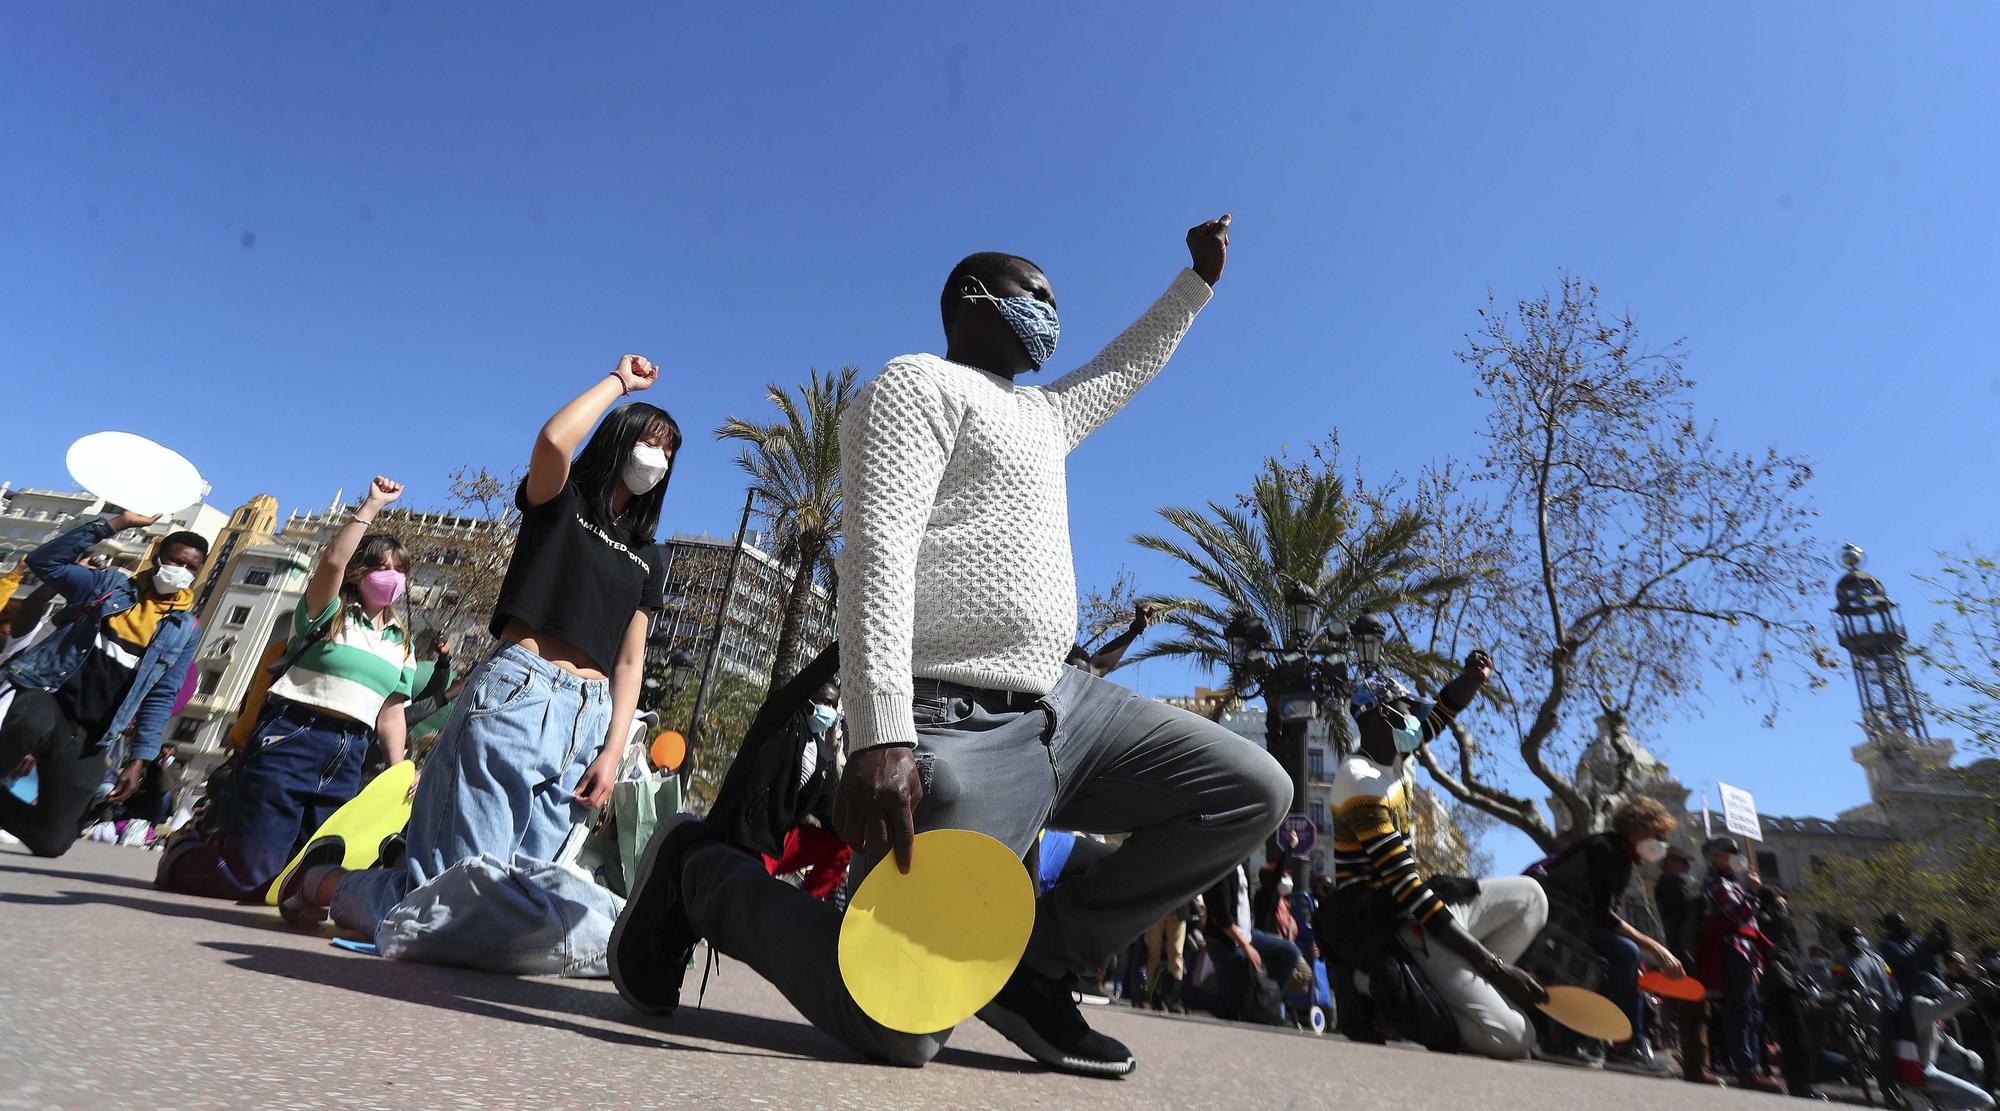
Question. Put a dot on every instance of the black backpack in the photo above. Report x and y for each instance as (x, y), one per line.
(1359, 925)
(1260, 1000)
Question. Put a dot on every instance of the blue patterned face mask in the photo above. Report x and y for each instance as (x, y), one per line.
(822, 717)
(1034, 322)
(1409, 734)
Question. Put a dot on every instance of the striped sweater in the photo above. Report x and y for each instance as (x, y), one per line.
(1371, 811)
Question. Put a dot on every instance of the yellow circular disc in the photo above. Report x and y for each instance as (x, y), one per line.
(669, 749)
(923, 952)
(1587, 1013)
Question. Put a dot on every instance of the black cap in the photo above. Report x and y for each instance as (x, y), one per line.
(1675, 852)
(1720, 845)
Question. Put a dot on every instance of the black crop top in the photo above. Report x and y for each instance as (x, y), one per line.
(570, 578)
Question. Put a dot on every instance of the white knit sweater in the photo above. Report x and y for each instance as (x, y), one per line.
(957, 562)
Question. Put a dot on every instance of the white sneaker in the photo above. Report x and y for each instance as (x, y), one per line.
(8, 838)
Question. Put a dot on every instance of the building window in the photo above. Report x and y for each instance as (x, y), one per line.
(1767, 868)
(1318, 761)
(209, 681)
(238, 615)
(257, 578)
(185, 729)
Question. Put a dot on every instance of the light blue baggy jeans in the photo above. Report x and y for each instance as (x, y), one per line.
(499, 782)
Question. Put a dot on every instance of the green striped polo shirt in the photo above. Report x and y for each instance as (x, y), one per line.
(353, 672)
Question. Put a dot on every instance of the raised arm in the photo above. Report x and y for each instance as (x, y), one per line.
(1457, 694)
(55, 563)
(1090, 394)
(556, 443)
(1106, 659)
(324, 586)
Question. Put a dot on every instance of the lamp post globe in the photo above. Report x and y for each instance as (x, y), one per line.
(680, 669)
(1367, 634)
(1237, 635)
(1302, 608)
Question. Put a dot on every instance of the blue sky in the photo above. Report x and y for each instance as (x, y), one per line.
(305, 243)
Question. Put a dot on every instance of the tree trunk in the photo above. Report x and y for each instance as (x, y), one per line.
(786, 663)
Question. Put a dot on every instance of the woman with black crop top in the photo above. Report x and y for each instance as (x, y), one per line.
(537, 736)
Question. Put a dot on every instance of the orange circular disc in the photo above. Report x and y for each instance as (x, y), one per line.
(1687, 989)
(668, 750)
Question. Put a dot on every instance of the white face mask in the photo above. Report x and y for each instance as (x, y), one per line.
(1652, 850)
(172, 578)
(1739, 867)
(1285, 885)
(644, 468)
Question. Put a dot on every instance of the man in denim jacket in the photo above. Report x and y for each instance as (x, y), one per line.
(116, 664)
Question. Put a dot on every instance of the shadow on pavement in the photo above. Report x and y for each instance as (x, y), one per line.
(496, 996)
(228, 914)
(81, 877)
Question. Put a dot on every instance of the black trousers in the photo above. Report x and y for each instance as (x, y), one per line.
(1785, 1015)
(69, 775)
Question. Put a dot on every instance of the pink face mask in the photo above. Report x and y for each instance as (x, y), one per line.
(382, 587)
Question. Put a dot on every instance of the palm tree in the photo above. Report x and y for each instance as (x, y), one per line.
(794, 468)
(1296, 527)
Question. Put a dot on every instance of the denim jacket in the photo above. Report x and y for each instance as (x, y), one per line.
(48, 665)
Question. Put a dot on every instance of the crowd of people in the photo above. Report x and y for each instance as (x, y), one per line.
(954, 699)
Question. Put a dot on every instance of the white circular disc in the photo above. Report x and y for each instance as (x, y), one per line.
(134, 473)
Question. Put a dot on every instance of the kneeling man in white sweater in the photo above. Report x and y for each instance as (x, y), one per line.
(957, 606)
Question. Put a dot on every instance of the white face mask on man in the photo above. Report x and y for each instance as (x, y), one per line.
(644, 468)
(172, 578)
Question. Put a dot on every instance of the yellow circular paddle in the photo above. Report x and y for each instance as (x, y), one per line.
(669, 749)
(1587, 1013)
(923, 952)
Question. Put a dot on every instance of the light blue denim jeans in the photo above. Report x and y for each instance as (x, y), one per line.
(529, 919)
(499, 782)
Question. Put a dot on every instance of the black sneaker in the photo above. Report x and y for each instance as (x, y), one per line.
(394, 849)
(1040, 1015)
(654, 941)
(295, 904)
(1637, 1058)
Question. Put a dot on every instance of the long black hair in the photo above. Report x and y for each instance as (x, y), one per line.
(599, 467)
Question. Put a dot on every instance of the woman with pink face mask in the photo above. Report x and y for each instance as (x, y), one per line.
(347, 672)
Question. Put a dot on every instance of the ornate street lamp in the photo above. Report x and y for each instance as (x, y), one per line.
(1302, 606)
(1367, 633)
(680, 669)
(1237, 635)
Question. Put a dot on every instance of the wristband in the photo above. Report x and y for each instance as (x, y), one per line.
(624, 390)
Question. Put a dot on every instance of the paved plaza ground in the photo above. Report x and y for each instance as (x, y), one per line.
(116, 995)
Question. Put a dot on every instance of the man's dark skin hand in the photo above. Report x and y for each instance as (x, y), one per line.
(875, 806)
(129, 778)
